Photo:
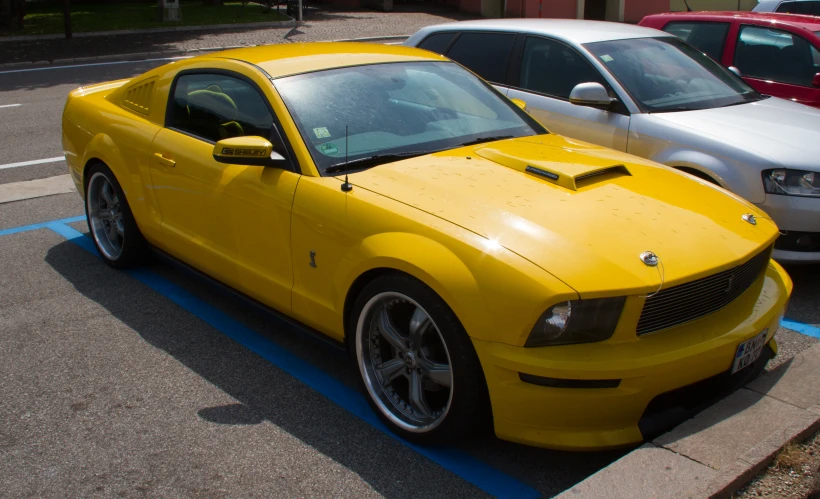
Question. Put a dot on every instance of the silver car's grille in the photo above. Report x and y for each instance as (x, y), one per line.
(689, 301)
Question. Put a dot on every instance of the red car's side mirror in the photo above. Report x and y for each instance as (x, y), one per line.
(816, 80)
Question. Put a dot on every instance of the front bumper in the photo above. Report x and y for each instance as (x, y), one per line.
(646, 367)
(794, 214)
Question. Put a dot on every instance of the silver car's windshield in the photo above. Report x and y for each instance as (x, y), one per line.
(373, 114)
(665, 74)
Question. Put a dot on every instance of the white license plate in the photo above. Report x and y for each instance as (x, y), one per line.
(749, 351)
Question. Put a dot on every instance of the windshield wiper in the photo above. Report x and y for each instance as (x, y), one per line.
(369, 161)
(481, 140)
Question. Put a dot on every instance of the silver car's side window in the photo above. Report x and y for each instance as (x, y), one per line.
(802, 7)
(486, 54)
(773, 54)
(552, 68)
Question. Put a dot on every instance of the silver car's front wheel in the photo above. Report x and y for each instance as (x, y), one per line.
(404, 362)
(417, 363)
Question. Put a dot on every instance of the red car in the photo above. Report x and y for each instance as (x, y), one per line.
(777, 54)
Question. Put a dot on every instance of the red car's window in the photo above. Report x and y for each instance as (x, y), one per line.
(708, 37)
(776, 55)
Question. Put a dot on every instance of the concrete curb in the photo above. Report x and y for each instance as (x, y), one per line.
(719, 450)
(212, 27)
(139, 56)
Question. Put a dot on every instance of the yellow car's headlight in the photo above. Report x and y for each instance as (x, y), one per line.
(577, 321)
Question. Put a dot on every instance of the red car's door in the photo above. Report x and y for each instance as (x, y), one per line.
(777, 62)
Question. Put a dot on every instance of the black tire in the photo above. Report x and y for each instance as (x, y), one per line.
(468, 408)
(131, 249)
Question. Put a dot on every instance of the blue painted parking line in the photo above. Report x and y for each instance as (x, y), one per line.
(26, 228)
(806, 329)
(460, 463)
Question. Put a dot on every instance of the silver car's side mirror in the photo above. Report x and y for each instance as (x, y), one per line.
(735, 71)
(591, 94)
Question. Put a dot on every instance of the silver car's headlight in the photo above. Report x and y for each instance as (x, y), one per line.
(788, 182)
(577, 321)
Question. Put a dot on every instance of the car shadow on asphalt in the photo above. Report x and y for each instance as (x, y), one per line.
(727, 406)
(265, 393)
(805, 298)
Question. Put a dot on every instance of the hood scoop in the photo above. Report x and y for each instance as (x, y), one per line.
(553, 164)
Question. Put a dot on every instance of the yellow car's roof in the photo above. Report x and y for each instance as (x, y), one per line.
(294, 58)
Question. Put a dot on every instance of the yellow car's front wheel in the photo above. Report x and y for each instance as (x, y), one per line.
(417, 364)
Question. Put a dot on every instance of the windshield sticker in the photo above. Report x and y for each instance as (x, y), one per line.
(321, 133)
(606, 58)
(329, 148)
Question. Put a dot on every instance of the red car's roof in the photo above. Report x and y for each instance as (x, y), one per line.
(811, 23)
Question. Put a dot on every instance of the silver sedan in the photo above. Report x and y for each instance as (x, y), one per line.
(647, 93)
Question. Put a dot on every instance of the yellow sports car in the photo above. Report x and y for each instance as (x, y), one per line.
(478, 268)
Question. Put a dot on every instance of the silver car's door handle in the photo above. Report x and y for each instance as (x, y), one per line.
(163, 160)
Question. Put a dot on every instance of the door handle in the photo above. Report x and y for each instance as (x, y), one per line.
(163, 160)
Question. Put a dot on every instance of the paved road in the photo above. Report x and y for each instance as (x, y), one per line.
(112, 386)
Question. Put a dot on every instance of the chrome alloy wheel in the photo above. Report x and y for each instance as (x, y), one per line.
(105, 216)
(404, 362)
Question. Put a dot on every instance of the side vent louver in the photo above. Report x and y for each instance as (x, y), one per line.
(138, 97)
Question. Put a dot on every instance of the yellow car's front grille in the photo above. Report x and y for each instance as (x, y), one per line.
(686, 302)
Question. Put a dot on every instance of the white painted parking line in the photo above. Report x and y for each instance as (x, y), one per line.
(95, 64)
(17, 191)
(10, 105)
(33, 162)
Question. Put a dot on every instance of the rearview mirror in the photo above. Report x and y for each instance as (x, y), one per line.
(815, 82)
(591, 94)
(520, 103)
(735, 71)
(254, 151)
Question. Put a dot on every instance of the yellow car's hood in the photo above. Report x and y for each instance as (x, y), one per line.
(587, 232)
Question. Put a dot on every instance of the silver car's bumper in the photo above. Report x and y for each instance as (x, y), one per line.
(794, 214)
(796, 256)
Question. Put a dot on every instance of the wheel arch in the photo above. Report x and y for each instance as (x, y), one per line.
(701, 165)
(102, 150)
(421, 258)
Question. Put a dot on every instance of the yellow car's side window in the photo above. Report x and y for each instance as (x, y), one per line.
(215, 107)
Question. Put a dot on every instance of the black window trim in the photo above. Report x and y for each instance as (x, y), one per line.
(619, 108)
(792, 33)
(696, 21)
(291, 162)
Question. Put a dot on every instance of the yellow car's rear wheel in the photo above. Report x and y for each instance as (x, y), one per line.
(416, 362)
(110, 221)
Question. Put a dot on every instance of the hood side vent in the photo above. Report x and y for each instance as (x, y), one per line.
(604, 174)
(137, 98)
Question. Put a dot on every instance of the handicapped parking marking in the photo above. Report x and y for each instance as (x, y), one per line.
(458, 462)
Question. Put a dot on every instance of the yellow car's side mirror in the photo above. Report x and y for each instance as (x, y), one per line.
(520, 103)
(255, 151)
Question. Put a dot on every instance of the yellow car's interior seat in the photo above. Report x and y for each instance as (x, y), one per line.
(212, 114)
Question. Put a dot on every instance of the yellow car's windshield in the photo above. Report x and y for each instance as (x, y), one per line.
(367, 115)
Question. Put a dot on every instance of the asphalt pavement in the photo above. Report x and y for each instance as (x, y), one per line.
(148, 383)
